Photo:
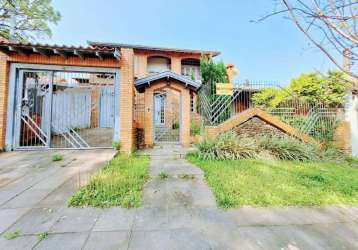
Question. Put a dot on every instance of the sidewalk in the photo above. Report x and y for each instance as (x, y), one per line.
(176, 213)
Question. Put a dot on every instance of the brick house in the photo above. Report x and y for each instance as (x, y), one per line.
(88, 97)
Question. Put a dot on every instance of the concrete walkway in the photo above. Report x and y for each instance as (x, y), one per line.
(177, 213)
(180, 213)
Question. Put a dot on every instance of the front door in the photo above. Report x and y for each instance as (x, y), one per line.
(167, 116)
(159, 109)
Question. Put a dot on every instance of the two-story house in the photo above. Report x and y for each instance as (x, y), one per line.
(87, 97)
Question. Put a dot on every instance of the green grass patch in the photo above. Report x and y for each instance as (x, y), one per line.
(163, 175)
(42, 236)
(120, 183)
(251, 182)
(12, 235)
(57, 157)
(187, 176)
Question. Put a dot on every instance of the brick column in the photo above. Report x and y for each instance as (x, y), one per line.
(148, 117)
(342, 137)
(176, 65)
(126, 100)
(185, 120)
(4, 87)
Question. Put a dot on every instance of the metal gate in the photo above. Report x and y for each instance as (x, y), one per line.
(64, 109)
(167, 116)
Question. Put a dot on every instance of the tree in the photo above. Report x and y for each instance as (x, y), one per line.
(310, 88)
(26, 20)
(330, 25)
(213, 72)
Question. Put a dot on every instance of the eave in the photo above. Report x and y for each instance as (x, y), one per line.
(57, 50)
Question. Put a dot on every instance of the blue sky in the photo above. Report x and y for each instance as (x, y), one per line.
(272, 51)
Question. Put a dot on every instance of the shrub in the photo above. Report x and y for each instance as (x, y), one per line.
(332, 153)
(230, 146)
(212, 71)
(116, 145)
(288, 148)
(227, 146)
(329, 88)
(175, 125)
(269, 98)
(195, 128)
(352, 161)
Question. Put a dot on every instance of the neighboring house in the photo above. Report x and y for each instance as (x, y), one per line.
(87, 97)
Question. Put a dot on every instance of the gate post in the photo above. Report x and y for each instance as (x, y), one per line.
(185, 119)
(4, 87)
(126, 100)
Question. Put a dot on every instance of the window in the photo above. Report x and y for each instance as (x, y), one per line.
(158, 64)
(191, 69)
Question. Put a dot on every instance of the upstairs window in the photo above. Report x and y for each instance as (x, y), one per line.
(191, 69)
(157, 64)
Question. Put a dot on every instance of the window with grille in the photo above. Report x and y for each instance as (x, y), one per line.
(191, 69)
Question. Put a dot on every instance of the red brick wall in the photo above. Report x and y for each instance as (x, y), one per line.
(4, 89)
(126, 100)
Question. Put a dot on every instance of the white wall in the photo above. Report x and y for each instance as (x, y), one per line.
(354, 127)
(352, 118)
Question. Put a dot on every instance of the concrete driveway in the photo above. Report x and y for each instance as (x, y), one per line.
(34, 189)
(177, 213)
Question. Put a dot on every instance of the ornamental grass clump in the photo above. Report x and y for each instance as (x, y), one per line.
(227, 146)
(288, 148)
(230, 146)
(333, 154)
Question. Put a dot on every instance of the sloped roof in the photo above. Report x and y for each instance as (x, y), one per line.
(169, 75)
(152, 48)
(63, 50)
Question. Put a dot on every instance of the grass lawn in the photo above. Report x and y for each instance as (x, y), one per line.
(280, 183)
(120, 183)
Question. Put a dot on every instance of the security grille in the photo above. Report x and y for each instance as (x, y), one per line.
(167, 116)
(64, 109)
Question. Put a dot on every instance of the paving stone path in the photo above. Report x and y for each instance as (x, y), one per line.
(178, 212)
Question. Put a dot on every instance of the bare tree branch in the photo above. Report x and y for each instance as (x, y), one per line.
(330, 25)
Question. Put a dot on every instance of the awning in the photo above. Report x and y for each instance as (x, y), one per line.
(140, 84)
